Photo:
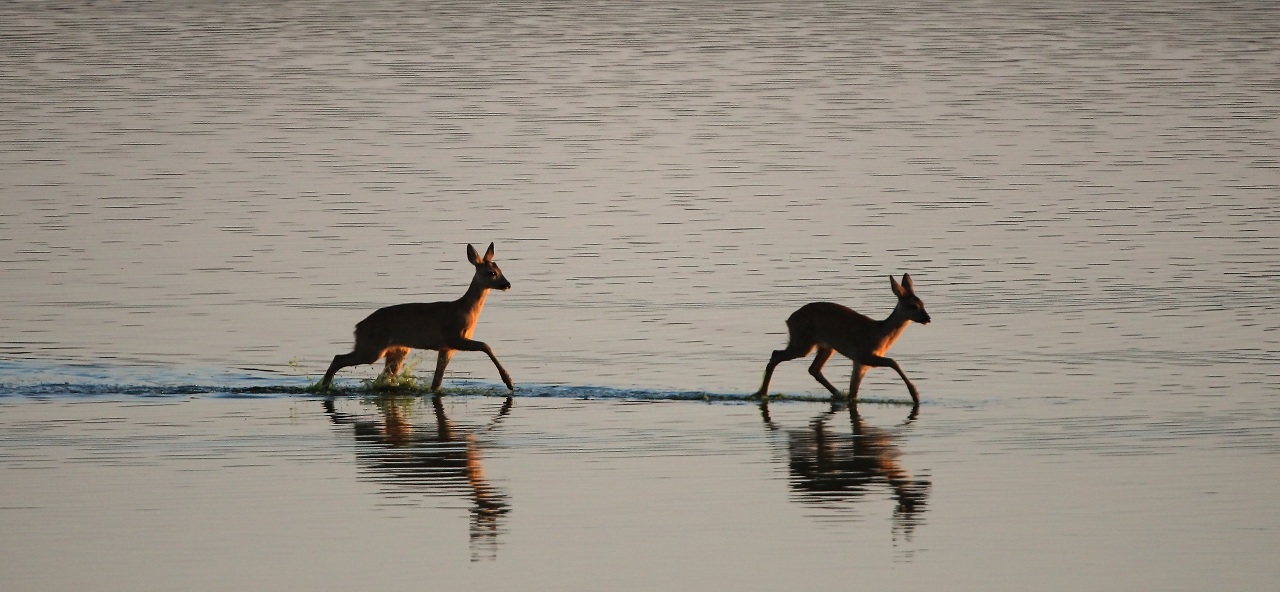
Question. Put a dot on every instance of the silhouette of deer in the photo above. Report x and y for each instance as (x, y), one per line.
(442, 326)
(830, 328)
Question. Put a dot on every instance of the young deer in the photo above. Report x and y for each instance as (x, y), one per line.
(442, 326)
(834, 328)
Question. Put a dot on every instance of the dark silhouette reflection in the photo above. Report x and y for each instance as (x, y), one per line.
(829, 465)
(436, 460)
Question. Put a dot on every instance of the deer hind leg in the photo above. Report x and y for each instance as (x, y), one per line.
(355, 358)
(815, 370)
(395, 361)
(795, 349)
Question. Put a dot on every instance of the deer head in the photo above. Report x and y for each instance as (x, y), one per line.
(487, 273)
(909, 305)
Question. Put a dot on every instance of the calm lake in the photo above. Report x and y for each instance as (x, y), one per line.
(199, 200)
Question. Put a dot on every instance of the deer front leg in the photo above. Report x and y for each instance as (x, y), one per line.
(871, 360)
(473, 345)
(855, 380)
(442, 360)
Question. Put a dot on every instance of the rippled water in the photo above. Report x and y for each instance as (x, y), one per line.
(200, 200)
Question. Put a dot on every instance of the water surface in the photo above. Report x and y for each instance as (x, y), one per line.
(197, 203)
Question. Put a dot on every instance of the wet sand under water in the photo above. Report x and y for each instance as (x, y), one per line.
(471, 492)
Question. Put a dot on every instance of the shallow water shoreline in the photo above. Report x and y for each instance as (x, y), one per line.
(89, 390)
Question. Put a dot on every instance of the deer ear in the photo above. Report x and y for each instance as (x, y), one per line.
(897, 290)
(488, 255)
(472, 256)
(907, 284)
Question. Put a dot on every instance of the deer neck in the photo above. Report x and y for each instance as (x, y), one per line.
(892, 328)
(473, 300)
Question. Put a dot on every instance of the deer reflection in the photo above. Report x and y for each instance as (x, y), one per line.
(829, 465)
(438, 460)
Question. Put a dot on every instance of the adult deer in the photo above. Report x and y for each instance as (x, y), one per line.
(442, 326)
(833, 328)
